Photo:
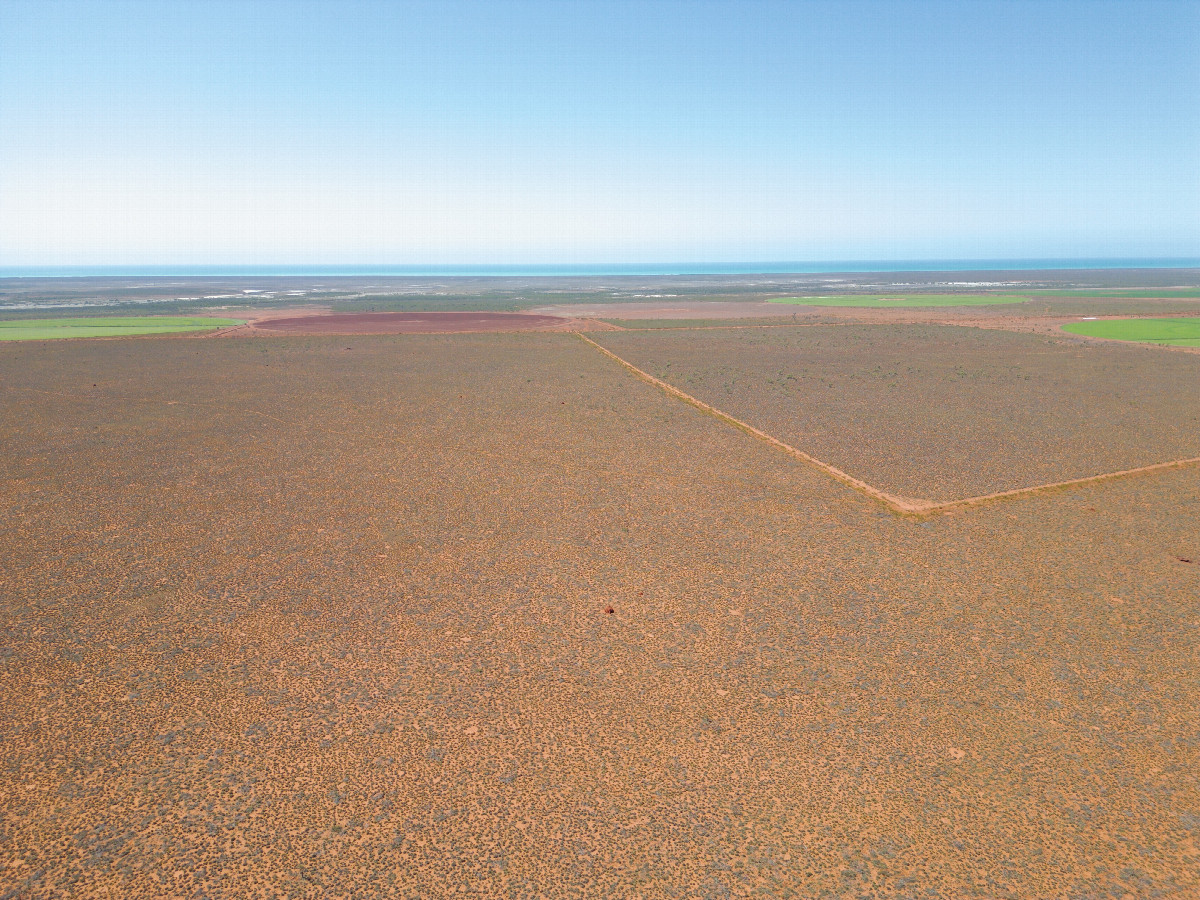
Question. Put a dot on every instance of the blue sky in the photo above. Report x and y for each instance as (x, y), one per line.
(273, 132)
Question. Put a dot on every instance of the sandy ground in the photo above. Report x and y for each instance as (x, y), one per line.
(677, 309)
(905, 505)
(317, 319)
(283, 618)
(326, 322)
(938, 413)
(731, 314)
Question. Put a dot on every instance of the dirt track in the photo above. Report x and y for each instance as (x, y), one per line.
(895, 502)
(486, 615)
(938, 413)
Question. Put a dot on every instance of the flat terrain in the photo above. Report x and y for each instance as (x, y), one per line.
(1062, 292)
(1170, 332)
(114, 326)
(408, 323)
(906, 300)
(1046, 314)
(313, 618)
(934, 412)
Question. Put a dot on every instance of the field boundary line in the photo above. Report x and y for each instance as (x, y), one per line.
(967, 502)
(221, 332)
(905, 506)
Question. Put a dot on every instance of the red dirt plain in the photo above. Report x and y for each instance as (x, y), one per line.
(1037, 313)
(280, 618)
(411, 323)
(935, 412)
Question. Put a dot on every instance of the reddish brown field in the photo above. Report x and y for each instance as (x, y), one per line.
(411, 323)
(1039, 313)
(936, 412)
(316, 618)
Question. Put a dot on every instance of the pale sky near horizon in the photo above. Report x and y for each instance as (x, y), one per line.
(543, 132)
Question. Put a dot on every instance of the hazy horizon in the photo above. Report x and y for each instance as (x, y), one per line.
(539, 133)
(600, 269)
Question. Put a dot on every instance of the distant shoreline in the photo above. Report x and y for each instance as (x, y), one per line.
(601, 270)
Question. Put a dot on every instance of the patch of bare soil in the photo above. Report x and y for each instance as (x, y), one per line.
(493, 617)
(676, 309)
(935, 412)
(411, 323)
(1019, 318)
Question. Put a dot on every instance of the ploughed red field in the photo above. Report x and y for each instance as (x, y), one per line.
(410, 323)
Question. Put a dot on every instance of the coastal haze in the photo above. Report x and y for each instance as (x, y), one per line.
(184, 291)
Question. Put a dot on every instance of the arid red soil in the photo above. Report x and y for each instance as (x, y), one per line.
(684, 308)
(935, 412)
(486, 615)
(411, 323)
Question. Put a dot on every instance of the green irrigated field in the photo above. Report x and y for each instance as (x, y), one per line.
(116, 326)
(1172, 332)
(1162, 293)
(877, 301)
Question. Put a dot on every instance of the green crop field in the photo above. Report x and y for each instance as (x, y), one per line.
(1130, 294)
(117, 326)
(905, 300)
(1173, 332)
